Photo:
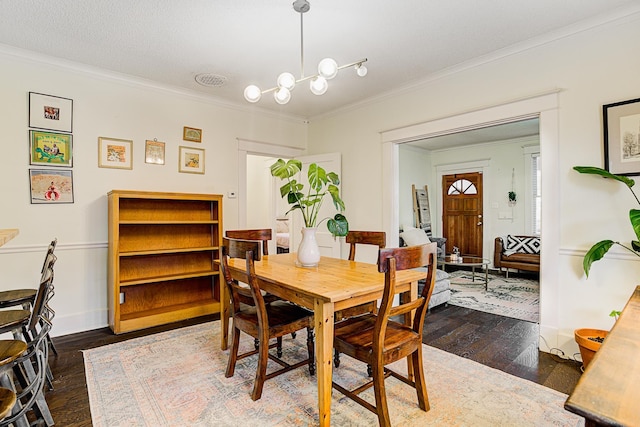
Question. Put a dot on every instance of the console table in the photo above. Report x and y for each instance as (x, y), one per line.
(607, 393)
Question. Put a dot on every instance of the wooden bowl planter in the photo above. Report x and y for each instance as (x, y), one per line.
(586, 339)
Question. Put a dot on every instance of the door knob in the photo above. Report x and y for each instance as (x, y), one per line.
(479, 223)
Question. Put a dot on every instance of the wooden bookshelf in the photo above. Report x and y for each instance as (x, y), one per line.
(162, 252)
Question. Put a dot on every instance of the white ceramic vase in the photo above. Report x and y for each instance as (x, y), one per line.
(308, 251)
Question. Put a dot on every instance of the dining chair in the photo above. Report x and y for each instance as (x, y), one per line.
(261, 234)
(261, 321)
(354, 238)
(27, 374)
(378, 339)
(25, 297)
(20, 322)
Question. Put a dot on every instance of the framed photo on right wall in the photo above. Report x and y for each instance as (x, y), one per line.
(621, 126)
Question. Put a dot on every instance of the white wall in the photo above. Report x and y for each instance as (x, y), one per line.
(415, 169)
(117, 107)
(592, 67)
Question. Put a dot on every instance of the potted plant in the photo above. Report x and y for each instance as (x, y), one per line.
(589, 340)
(598, 250)
(320, 184)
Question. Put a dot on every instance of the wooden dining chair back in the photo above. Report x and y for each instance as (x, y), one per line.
(378, 339)
(261, 234)
(354, 238)
(261, 321)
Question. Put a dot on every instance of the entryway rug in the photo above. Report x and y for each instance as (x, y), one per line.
(511, 297)
(176, 378)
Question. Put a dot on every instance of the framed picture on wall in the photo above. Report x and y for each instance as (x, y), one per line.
(191, 160)
(115, 153)
(621, 126)
(154, 152)
(50, 112)
(50, 148)
(192, 134)
(51, 186)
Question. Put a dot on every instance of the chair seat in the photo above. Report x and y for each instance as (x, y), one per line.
(355, 336)
(7, 401)
(12, 319)
(10, 350)
(17, 297)
(283, 318)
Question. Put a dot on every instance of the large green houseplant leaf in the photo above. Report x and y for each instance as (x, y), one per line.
(598, 250)
(321, 183)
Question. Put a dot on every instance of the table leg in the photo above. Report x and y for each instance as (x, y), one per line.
(486, 277)
(323, 325)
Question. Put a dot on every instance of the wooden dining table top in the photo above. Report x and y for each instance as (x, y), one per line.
(339, 281)
(7, 234)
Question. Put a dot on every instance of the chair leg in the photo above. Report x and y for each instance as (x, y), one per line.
(279, 347)
(418, 377)
(311, 350)
(261, 371)
(233, 353)
(336, 358)
(381, 397)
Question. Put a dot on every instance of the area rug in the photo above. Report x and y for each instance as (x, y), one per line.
(176, 378)
(511, 297)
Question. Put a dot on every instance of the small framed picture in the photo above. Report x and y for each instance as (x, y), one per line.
(191, 160)
(154, 152)
(50, 112)
(621, 126)
(115, 153)
(51, 186)
(192, 134)
(51, 148)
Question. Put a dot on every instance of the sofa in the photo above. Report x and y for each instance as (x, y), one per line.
(441, 294)
(517, 252)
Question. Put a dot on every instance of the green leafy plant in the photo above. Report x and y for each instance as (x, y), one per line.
(321, 183)
(512, 196)
(598, 250)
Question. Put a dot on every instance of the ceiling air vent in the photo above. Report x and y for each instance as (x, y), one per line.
(211, 80)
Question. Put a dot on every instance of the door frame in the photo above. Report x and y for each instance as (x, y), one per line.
(481, 166)
(247, 147)
(546, 107)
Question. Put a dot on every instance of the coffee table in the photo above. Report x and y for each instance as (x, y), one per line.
(469, 261)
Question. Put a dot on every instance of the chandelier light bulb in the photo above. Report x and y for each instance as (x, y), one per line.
(287, 81)
(319, 85)
(361, 70)
(282, 95)
(328, 68)
(252, 93)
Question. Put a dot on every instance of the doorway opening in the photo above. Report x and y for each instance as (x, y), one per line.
(543, 106)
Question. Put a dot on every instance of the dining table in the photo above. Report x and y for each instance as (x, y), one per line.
(7, 234)
(335, 284)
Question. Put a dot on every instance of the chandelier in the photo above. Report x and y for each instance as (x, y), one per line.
(318, 83)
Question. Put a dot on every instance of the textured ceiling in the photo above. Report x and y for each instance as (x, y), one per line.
(252, 41)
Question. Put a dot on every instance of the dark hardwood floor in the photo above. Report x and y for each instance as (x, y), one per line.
(503, 343)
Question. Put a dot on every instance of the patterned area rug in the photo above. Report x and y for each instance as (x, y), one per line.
(176, 378)
(513, 297)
